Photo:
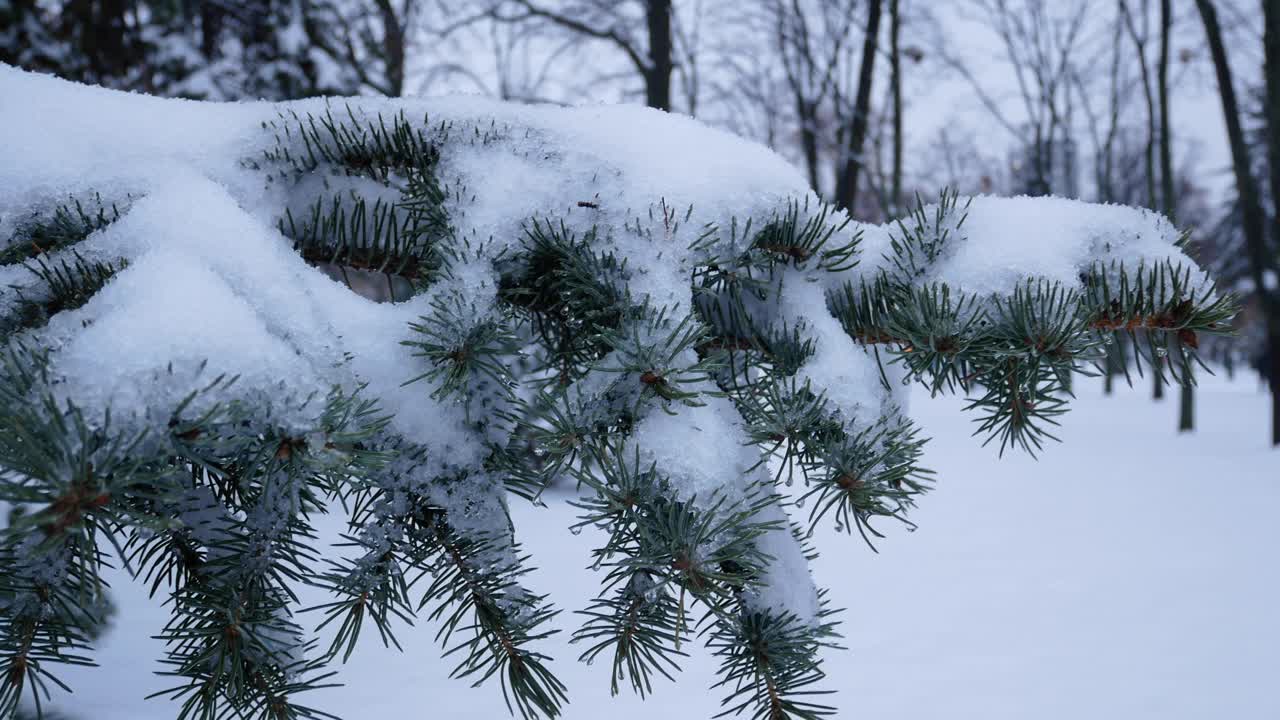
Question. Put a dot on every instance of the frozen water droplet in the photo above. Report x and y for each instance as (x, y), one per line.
(790, 482)
(1161, 352)
(576, 529)
(839, 526)
(800, 503)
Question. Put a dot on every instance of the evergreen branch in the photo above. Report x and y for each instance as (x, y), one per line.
(504, 620)
(659, 355)
(641, 625)
(474, 589)
(382, 239)
(62, 286)
(768, 662)
(68, 224)
(1165, 303)
(874, 473)
(919, 246)
(570, 295)
(366, 148)
(788, 240)
(466, 349)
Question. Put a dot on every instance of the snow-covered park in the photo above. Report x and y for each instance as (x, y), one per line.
(1129, 573)
(325, 399)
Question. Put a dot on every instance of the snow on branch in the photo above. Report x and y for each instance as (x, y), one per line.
(222, 319)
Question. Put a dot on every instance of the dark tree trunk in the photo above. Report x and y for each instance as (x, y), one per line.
(808, 117)
(1271, 67)
(211, 16)
(895, 63)
(847, 177)
(1140, 45)
(1168, 193)
(392, 48)
(1250, 206)
(657, 80)
(98, 29)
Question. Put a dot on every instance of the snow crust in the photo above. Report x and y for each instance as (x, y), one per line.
(212, 287)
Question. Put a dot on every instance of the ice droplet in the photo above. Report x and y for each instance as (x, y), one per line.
(800, 503)
(1161, 352)
(790, 482)
(576, 529)
(839, 526)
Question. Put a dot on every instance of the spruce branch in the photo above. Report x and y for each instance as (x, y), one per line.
(563, 369)
(61, 285)
(70, 223)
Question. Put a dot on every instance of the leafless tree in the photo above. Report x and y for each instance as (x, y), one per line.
(850, 160)
(895, 84)
(651, 54)
(369, 39)
(810, 40)
(1040, 42)
(1262, 260)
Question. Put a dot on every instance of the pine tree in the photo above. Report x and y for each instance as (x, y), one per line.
(587, 347)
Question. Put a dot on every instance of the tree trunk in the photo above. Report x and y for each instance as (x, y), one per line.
(99, 31)
(211, 17)
(808, 117)
(1140, 44)
(392, 48)
(657, 80)
(847, 178)
(895, 63)
(1246, 186)
(1271, 67)
(1168, 192)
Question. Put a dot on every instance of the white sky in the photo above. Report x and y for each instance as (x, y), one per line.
(936, 97)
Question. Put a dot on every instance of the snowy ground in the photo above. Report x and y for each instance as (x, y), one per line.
(1130, 573)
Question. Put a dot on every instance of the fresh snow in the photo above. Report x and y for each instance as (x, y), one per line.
(213, 288)
(1129, 573)
(1051, 238)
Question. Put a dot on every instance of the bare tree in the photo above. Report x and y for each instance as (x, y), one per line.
(611, 22)
(1271, 69)
(1040, 41)
(851, 159)
(1262, 262)
(369, 39)
(811, 41)
(1139, 35)
(895, 82)
(1168, 196)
